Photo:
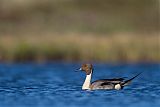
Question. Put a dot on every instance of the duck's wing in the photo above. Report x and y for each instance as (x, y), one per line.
(114, 80)
(99, 84)
(106, 83)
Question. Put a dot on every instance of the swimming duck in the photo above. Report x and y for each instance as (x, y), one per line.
(105, 84)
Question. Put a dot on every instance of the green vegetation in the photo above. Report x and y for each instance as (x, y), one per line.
(79, 30)
(125, 47)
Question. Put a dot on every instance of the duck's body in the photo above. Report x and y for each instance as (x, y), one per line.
(105, 84)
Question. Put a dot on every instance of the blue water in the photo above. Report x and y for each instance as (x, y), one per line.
(57, 85)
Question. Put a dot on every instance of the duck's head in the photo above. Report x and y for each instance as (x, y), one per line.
(87, 68)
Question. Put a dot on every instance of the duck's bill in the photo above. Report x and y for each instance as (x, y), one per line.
(80, 69)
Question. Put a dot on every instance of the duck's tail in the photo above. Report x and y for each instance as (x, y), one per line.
(129, 81)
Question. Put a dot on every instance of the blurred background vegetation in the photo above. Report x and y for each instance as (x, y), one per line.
(79, 30)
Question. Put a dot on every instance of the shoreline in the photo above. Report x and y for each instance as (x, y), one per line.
(80, 47)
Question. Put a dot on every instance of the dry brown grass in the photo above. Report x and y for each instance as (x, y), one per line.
(81, 47)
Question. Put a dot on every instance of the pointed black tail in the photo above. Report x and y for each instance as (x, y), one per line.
(129, 81)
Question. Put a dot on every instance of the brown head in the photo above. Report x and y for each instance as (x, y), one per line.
(87, 68)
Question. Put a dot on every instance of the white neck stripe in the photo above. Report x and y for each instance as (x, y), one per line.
(87, 82)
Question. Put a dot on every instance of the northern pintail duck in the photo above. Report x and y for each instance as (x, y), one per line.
(105, 84)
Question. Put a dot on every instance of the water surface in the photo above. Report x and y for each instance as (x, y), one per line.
(57, 85)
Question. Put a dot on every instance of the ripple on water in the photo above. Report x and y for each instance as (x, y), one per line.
(21, 87)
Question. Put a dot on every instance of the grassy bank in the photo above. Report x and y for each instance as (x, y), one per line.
(80, 47)
(79, 30)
